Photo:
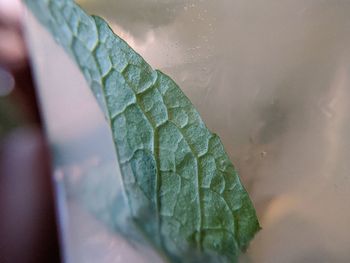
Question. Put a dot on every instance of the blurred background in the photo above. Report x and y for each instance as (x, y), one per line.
(27, 213)
(18, 105)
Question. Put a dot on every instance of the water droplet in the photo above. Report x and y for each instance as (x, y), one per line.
(263, 154)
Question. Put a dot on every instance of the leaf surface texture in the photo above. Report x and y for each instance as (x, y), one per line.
(182, 188)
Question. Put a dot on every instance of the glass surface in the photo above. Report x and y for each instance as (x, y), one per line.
(270, 77)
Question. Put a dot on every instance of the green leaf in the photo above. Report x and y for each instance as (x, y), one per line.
(182, 189)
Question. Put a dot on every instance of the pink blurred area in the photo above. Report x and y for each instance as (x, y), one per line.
(12, 48)
(16, 89)
(27, 224)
